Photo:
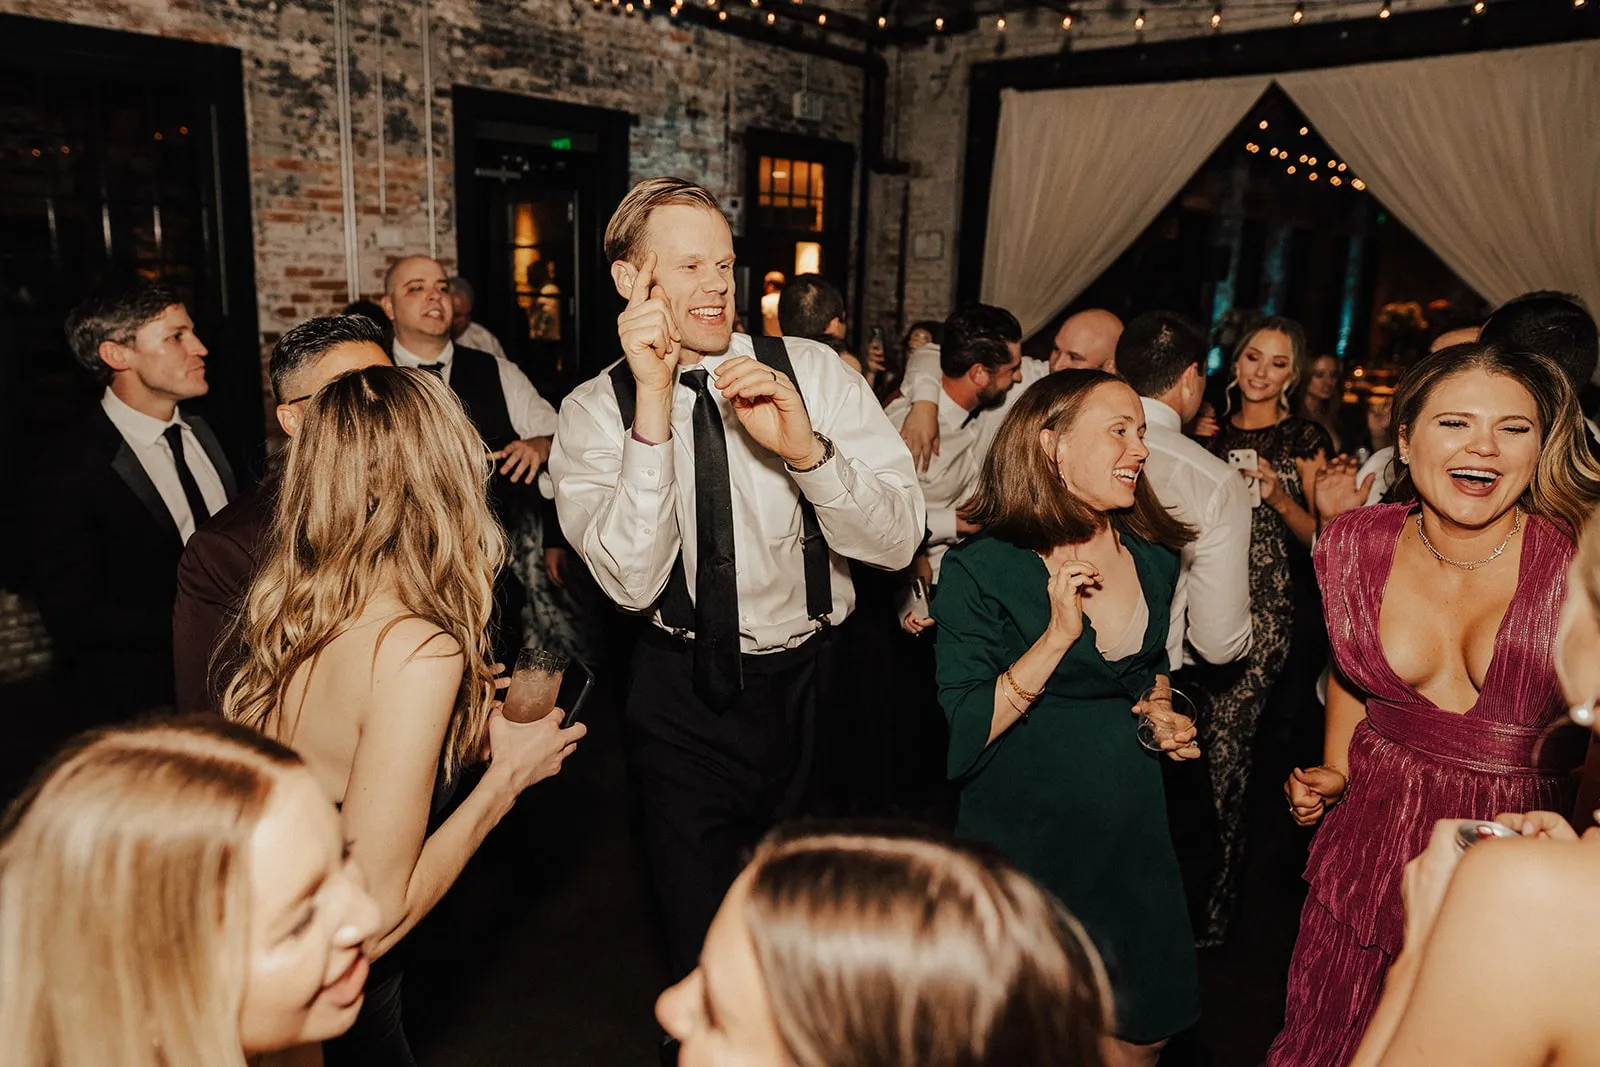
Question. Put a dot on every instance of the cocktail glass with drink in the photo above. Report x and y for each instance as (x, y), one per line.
(534, 685)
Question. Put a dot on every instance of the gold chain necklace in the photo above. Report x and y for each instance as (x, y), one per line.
(1472, 566)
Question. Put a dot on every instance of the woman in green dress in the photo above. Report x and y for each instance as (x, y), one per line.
(1052, 625)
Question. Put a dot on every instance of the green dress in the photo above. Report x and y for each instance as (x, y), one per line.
(1069, 794)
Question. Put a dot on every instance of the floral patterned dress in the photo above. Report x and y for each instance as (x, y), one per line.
(1233, 705)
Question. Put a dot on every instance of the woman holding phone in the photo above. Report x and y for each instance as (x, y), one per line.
(1278, 453)
(1443, 610)
(1052, 628)
(367, 649)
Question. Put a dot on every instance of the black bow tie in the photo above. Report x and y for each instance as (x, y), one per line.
(972, 416)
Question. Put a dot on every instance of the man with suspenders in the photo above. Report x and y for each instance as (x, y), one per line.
(716, 482)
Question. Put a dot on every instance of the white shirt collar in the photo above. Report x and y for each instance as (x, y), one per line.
(135, 426)
(404, 357)
(951, 414)
(1159, 415)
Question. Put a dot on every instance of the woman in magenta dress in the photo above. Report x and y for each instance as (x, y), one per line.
(1442, 613)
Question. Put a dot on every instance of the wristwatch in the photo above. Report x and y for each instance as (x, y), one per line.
(827, 454)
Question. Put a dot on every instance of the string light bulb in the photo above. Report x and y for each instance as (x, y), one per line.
(882, 22)
(1312, 161)
(822, 19)
(1357, 184)
(1291, 168)
(771, 18)
(722, 16)
(1304, 130)
(1479, 8)
(1138, 22)
(1384, 12)
(938, 23)
(1066, 22)
(1216, 17)
(1262, 124)
(1578, 3)
(1312, 175)
(1000, 24)
(1336, 181)
(628, 7)
(1299, 15)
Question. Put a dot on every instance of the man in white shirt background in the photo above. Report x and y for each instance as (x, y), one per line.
(978, 371)
(1162, 355)
(117, 498)
(720, 494)
(1087, 340)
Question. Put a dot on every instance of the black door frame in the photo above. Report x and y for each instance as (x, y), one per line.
(469, 106)
(215, 73)
(838, 157)
(1439, 31)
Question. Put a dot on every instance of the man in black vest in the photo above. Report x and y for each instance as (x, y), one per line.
(118, 496)
(516, 423)
(716, 483)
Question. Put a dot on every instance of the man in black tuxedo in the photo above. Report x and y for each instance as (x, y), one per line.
(117, 497)
(220, 560)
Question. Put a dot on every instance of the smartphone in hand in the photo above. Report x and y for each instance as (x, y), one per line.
(1245, 459)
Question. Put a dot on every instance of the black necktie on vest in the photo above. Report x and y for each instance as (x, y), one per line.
(191, 488)
(717, 671)
(435, 369)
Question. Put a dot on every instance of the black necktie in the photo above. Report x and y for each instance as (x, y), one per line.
(435, 369)
(191, 489)
(717, 674)
(972, 416)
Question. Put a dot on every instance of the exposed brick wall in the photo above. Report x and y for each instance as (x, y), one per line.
(694, 92)
(24, 646)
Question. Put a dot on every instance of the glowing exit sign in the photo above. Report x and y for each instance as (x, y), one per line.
(561, 144)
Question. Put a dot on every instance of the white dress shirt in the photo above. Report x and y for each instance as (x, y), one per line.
(1214, 572)
(531, 414)
(628, 507)
(477, 336)
(923, 382)
(953, 473)
(145, 438)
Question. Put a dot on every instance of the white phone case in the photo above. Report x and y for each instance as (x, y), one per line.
(1245, 459)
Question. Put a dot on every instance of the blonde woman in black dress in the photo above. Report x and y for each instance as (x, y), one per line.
(1267, 365)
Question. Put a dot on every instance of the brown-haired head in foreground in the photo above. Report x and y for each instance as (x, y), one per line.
(1021, 497)
(625, 232)
(884, 951)
(125, 898)
(1566, 481)
(386, 482)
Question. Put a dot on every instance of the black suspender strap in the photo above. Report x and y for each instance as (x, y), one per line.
(819, 572)
(675, 605)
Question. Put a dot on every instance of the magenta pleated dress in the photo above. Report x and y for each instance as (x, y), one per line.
(1411, 764)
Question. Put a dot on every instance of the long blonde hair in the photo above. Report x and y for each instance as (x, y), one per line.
(882, 951)
(125, 898)
(385, 485)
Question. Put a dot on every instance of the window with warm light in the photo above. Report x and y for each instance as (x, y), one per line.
(790, 193)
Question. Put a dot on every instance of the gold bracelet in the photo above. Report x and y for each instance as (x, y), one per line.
(1026, 696)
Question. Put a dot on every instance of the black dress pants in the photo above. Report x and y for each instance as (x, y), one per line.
(711, 785)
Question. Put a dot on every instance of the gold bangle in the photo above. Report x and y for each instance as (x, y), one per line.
(1026, 696)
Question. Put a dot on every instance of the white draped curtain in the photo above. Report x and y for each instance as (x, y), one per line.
(1491, 158)
(1079, 173)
